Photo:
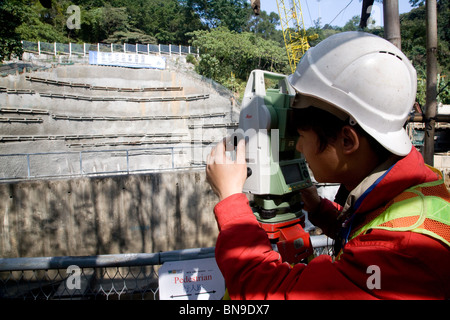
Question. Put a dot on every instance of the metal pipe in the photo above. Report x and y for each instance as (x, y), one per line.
(321, 241)
(392, 22)
(417, 117)
(431, 95)
(103, 261)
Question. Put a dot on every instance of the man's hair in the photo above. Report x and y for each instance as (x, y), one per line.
(327, 127)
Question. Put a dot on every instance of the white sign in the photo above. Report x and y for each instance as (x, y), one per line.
(130, 60)
(198, 279)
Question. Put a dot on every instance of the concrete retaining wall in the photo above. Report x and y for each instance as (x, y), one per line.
(120, 214)
(85, 108)
(201, 100)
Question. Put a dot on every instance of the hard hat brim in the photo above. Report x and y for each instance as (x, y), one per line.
(397, 142)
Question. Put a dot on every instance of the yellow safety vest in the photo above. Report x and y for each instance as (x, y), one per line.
(424, 208)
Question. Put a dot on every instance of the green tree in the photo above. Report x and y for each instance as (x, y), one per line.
(168, 21)
(265, 26)
(352, 24)
(111, 25)
(413, 33)
(226, 54)
(233, 14)
(132, 21)
(12, 16)
(43, 24)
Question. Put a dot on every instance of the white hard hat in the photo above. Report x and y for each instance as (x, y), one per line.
(367, 78)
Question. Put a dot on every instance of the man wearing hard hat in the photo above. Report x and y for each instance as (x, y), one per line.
(392, 228)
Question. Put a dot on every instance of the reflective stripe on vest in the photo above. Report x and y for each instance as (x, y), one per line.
(424, 208)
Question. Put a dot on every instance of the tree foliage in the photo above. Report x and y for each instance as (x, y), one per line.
(12, 16)
(414, 44)
(231, 40)
(225, 53)
(233, 14)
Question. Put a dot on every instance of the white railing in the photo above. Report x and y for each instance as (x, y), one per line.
(82, 49)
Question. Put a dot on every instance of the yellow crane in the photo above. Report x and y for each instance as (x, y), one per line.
(294, 32)
(293, 27)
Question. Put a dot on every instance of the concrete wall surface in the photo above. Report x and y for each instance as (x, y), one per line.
(85, 118)
(119, 214)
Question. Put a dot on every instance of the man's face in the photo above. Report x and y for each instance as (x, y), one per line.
(324, 165)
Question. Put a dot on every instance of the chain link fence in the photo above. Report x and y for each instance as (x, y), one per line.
(102, 277)
(96, 283)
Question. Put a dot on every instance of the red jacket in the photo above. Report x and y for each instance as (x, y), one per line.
(411, 265)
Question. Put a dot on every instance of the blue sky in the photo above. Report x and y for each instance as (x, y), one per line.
(329, 10)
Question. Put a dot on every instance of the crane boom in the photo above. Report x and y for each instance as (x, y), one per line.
(294, 32)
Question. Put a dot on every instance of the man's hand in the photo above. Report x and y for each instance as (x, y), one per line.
(310, 199)
(226, 176)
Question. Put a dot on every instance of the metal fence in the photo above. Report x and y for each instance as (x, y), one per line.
(102, 277)
(23, 166)
(82, 49)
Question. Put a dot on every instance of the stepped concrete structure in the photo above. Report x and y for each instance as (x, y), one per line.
(99, 160)
(88, 108)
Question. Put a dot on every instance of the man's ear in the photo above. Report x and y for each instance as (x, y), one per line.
(349, 140)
